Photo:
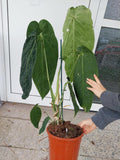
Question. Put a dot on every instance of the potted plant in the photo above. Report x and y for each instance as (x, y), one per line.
(39, 62)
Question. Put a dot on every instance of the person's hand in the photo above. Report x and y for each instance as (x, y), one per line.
(87, 125)
(96, 87)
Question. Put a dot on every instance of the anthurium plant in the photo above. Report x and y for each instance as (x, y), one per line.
(40, 57)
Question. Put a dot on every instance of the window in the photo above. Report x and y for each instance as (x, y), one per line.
(113, 10)
(107, 50)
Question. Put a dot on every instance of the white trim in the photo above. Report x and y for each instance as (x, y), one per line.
(111, 23)
(99, 19)
(94, 6)
(6, 45)
(94, 107)
(102, 22)
(2, 60)
(47, 102)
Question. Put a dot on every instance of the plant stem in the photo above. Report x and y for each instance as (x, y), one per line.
(51, 91)
(46, 114)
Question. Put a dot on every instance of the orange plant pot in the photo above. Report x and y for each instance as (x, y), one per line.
(62, 148)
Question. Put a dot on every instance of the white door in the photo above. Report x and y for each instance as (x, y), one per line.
(16, 17)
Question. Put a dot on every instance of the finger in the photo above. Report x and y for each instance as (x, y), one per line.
(86, 130)
(97, 79)
(91, 83)
(91, 89)
(81, 124)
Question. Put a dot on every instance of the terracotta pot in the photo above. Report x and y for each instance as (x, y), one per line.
(62, 148)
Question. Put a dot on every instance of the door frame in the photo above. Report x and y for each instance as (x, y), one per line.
(3, 93)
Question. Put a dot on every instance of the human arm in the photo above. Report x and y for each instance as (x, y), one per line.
(101, 119)
(107, 114)
(111, 100)
(108, 99)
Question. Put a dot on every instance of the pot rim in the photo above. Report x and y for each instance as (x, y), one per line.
(65, 139)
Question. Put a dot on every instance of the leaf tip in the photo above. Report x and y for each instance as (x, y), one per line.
(46, 120)
(24, 96)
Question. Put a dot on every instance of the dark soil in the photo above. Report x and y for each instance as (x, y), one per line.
(65, 130)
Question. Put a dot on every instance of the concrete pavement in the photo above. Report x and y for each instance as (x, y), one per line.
(20, 140)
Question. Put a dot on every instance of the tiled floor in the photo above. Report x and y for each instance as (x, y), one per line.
(19, 140)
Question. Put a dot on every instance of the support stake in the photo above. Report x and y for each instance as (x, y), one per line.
(61, 77)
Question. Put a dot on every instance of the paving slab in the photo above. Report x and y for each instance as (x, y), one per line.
(15, 110)
(22, 111)
(102, 144)
(92, 158)
(22, 134)
(20, 140)
(11, 153)
(18, 154)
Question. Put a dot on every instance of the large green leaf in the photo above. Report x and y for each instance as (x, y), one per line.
(27, 64)
(35, 115)
(33, 27)
(46, 60)
(46, 120)
(85, 67)
(76, 107)
(77, 31)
